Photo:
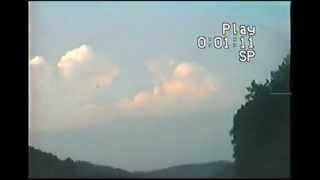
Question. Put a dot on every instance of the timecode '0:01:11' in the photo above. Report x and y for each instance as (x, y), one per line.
(222, 42)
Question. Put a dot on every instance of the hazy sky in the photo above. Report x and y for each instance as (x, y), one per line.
(124, 84)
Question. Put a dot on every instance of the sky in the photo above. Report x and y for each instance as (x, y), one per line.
(125, 84)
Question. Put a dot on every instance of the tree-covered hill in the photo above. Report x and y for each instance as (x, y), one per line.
(47, 165)
(217, 169)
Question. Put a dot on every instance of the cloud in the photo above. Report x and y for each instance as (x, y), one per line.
(63, 95)
(161, 68)
(84, 72)
(74, 58)
(40, 71)
(38, 60)
(183, 70)
(65, 101)
(183, 81)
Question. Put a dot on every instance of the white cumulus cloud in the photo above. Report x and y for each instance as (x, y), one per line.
(73, 58)
(60, 94)
(37, 60)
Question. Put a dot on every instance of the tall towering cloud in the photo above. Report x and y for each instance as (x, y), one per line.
(184, 80)
(84, 72)
(61, 93)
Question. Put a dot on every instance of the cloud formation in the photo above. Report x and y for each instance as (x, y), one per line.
(172, 81)
(74, 58)
(65, 95)
(85, 72)
(60, 93)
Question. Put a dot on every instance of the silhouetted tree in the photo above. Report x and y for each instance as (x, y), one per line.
(261, 127)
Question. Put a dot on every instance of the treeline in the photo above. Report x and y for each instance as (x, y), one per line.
(216, 169)
(261, 129)
(47, 165)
